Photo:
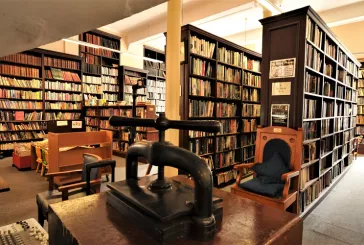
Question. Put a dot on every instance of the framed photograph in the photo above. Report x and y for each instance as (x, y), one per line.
(282, 68)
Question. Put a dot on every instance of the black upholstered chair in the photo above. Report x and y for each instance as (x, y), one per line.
(278, 156)
(90, 183)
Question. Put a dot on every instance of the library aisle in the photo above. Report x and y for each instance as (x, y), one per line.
(339, 218)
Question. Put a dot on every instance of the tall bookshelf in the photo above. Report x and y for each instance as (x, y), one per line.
(100, 66)
(156, 83)
(318, 79)
(220, 81)
(360, 119)
(34, 88)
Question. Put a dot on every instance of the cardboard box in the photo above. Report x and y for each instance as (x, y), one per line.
(21, 162)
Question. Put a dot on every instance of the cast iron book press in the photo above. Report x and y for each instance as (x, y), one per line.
(167, 209)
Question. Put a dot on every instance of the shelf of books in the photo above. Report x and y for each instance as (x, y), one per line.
(100, 66)
(129, 76)
(97, 118)
(360, 119)
(156, 83)
(220, 81)
(322, 98)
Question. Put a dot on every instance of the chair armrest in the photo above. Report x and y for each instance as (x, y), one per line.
(65, 188)
(290, 175)
(244, 165)
(77, 171)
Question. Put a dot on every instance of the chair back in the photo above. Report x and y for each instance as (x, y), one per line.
(286, 141)
(95, 173)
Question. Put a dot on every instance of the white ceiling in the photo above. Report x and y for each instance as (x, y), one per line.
(317, 5)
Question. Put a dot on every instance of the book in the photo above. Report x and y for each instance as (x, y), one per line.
(231, 57)
(329, 70)
(314, 33)
(310, 130)
(328, 109)
(228, 74)
(202, 47)
(312, 83)
(328, 89)
(309, 108)
(251, 64)
(19, 115)
(202, 67)
(313, 58)
(251, 80)
(201, 146)
(199, 108)
(330, 48)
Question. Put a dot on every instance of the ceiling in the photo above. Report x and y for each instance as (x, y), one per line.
(235, 20)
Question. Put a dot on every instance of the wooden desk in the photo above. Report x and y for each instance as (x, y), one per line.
(3, 185)
(90, 220)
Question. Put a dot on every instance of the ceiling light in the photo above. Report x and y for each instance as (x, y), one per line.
(113, 50)
(270, 6)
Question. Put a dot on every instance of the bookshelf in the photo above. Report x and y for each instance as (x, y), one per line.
(128, 76)
(360, 120)
(100, 67)
(30, 94)
(320, 87)
(96, 119)
(220, 81)
(156, 83)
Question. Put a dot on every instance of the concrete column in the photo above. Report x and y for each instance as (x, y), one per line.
(174, 21)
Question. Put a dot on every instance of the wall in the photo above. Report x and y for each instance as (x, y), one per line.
(63, 47)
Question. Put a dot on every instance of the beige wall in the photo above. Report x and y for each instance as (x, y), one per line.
(63, 47)
(350, 35)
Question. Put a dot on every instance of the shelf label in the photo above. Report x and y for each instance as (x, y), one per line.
(281, 88)
(282, 68)
(62, 123)
(280, 115)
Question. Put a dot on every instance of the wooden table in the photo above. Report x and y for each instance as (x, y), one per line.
(90, 220)
(3, 185)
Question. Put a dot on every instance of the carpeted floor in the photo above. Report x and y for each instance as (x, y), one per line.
(19, 203)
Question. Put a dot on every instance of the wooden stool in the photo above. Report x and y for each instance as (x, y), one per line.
(39, 158)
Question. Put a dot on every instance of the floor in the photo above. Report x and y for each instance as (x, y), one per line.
(19, 203)
(339, 219)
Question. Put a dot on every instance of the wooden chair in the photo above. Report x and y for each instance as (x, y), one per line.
(270, 140)
(92, 164)
(39, 158)
(44, 161)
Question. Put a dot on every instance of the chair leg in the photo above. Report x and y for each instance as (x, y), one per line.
(42, 171)
(40, 216)
(38, 167)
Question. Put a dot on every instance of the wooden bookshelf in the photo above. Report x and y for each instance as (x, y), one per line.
(129, 75)
(321, 91)
(100, 66)
(156, 83)
(228, 98)
(360, 118)
(96, 119)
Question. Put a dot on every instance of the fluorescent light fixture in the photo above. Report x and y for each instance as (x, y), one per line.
(113, 50)
(346, 21)
(270, 6)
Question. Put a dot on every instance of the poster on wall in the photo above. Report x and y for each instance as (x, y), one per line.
(282, 68)
(281, 88)
(280, 115)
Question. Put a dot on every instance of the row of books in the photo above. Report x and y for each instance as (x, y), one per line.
(20, 115)
(251, 79)
(91, 59)
(325, 127)
(62, 106)
(61, 63)
(313, 33)
(63, 96)
(91, 88)
(156, 96)
(115, 112)
(226, 110)
(312, 83)
(348, 80)
(226, 177)
(229, 126)
(359, 130)
(231, 57)
(91, 112)
(245, 154)
(106, 125)
(200, 87)
(352, 67)
(330, 49)
(9, 104)
(251, 64)
(91, 121)
(109, 71)
(313, 192)
(328, 89)
(329, 70)
(155, 65)
(228, 74)
(20, 94)
(230, 91)
(157, 73)
(201, 146)
(92, 79)
(249, 125)
(21, 136)
(309, 108)
(7, 146)
(341, 75)
(226, 143)
(91, 68)
(310, 130)
(202, 47)
(95, 129)
(199, 108)
(110, 87)
(313, 58)
(19, 71)
(309, 152)
(23, 58)
(328, 109)
(326, 145)
(251, 110)
(22, 126)
(156, 83)
(307, 174)
(24, 84)
(251, 94)
(248, 139)
(102, 41)
(56, 85)
(342, 58)
(360, 119)
(62, 75)
(202, 67)
(62, 116)
(195, 134)
(108, 79)
(110, 97)
(224, 159)
(340, 91)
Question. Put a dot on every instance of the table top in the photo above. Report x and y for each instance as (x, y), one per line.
(3, 185)
(90, 220)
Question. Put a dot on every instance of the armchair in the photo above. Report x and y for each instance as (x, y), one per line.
(276, 169)
(90, 183)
